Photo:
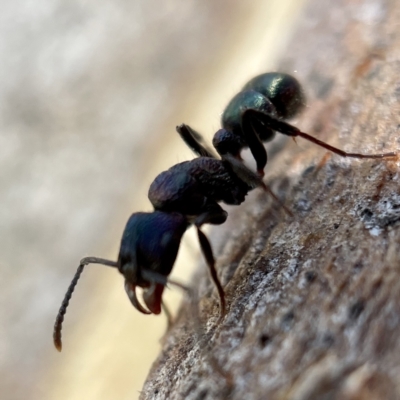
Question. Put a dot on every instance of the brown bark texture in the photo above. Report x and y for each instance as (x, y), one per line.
(313, 299)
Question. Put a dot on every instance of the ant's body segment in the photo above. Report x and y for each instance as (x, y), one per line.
(189, 192)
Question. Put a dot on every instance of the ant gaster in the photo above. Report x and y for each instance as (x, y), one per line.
(257, 112)
(188, 193)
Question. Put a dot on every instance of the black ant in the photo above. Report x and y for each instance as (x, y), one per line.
(255, 113)
(189, 192)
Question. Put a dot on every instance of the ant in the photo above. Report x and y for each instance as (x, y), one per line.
(256, 113)
(189, 192)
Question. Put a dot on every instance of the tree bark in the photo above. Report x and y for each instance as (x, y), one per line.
(313, 299)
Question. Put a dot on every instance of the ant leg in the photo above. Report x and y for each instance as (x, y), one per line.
(208, 254)
(194, 141)
(215, 215)
(342, 153)
(253, 141)
(57, 337)
(290, 130)
(207, 251)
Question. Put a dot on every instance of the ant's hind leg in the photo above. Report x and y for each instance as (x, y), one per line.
(290, 130)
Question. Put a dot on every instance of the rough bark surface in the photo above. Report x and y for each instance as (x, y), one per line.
(313, 300)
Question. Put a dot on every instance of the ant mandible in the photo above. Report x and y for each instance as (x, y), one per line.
(256, 113)
(189, 192)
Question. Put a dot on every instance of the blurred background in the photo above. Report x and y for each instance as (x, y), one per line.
(90, 94)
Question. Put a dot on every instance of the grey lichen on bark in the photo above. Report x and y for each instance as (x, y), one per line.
(314, 299)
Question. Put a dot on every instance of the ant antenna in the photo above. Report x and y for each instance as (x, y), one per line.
(64, 305)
